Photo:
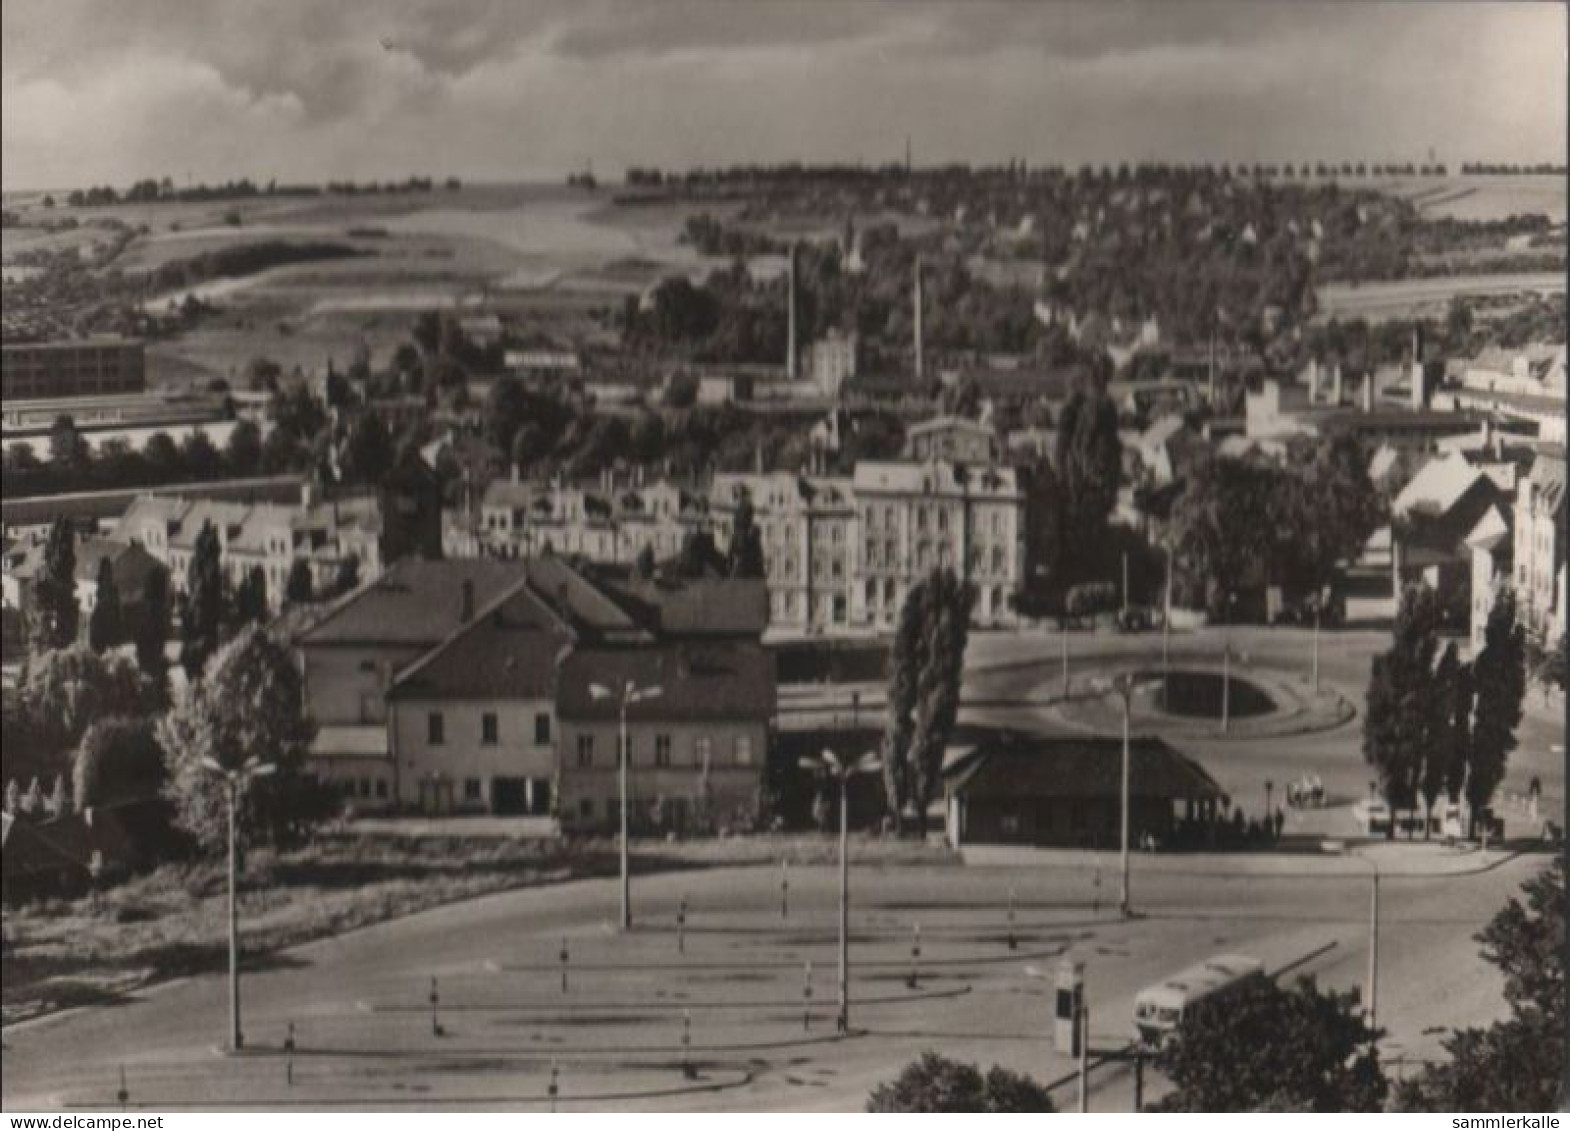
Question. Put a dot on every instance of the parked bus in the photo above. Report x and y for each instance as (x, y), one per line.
(1159, 1008)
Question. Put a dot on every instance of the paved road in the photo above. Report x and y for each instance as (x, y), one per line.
(363, 1023)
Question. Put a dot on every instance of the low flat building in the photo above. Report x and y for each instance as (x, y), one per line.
(84, 367)
(1025, 789)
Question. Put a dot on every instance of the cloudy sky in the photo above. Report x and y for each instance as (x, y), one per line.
(112, 90)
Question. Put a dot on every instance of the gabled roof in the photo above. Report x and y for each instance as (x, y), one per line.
(698, 681)
(1437, 487)
(1491, 530)
(1015, 766)
(700, 606)
(510, 648)
(1548, 477)
(416, 602)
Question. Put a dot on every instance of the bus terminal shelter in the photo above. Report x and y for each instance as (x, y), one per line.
(1009, 787)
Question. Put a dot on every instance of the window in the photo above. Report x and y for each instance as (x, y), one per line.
(585, 750)
(586, 808)
(471, 789)
(435, 728)
(702, 752)
(488, 728)
(542, 729)
(744, 750)
(381, 788)
(662, 750)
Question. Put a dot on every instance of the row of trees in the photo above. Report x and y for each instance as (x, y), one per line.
(1437, 726)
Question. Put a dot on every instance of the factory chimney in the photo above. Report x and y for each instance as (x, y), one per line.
(916, 316)
(1313, 380)
(1419, 378)
(1337, 386)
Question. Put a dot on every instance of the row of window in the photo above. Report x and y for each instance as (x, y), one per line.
(701, 755)
(490, 728)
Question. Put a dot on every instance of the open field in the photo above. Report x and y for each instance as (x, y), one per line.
(1404, 298)
(541, 253)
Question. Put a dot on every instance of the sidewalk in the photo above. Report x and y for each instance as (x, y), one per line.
(1391, 860)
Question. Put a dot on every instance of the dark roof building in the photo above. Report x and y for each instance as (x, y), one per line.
(1016, 788)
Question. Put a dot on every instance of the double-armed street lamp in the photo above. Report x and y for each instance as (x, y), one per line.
(235, 780)
(629, 694)
(829, 763)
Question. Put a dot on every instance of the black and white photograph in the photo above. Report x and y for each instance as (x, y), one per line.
(706, 556)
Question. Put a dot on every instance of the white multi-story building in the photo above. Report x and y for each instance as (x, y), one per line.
(917, 516)
(1539, 557)
(327, 535)
(608, 523)
(807, 524)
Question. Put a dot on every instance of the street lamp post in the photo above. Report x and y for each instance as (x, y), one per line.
(629, 695)
(842, 772)
(1124, 686)
(1373, 950)
(1317, 603)
(235, 780)
(1166, 625)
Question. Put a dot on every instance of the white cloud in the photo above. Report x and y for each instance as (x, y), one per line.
(304, 90)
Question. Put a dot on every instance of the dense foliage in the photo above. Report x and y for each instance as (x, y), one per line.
(1264, 1046)
(936, 1084)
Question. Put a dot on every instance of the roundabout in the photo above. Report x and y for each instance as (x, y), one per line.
(1200, 700)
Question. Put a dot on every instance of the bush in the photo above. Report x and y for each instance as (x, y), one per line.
(1090, 598)
(937, 1084)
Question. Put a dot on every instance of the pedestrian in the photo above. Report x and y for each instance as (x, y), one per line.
(1281, 820)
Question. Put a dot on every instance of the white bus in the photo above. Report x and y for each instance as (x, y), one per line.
(1160, 1007)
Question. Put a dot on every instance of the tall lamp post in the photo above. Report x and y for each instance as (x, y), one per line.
(235, 781)
(629, 694)
(1124, 686)
(841, 772)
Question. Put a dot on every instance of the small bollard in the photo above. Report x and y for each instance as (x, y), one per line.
(687, 1069)
(552, 1090)
(681, 926)
(1096, 906)
(435, 999)
(784, 889)
(806, 997)
(288, 1071)
(915, 957)
(1013, 939)
(564, 965)
(124, 1094)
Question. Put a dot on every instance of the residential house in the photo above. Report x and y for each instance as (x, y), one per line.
(351, 656)
(697, 748)
(1539, 551)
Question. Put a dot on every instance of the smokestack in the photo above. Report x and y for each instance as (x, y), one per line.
(1420, 386)
(1337, 385)
(916, 312)
(1368, 392)
(466, 607)
(791, 363)
(1313, 380)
